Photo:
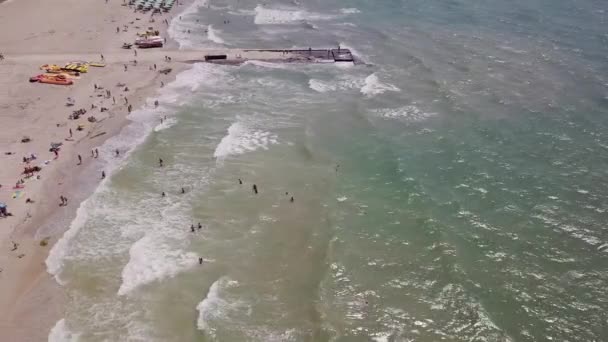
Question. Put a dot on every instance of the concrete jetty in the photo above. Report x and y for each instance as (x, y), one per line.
(219, 56)
(285, 56)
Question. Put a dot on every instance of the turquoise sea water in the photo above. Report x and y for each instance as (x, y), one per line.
(451, 189)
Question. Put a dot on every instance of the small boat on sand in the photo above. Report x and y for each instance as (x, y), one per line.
(56, 79)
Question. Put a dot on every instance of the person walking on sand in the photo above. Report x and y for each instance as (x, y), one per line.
(102, 59)
(92, 153)
(183, 191)
(113, 100)
(96, 153)
(160, 162)
(79, 159)
(135, 53)
(156, 103)
(240, 182)
(103, 175)
(70, 132)
(125, 67)
(56, 151)
(192, 228)
(291, 199)
(117, 152)
(162, 84)
(200, 226)
(163, 194)
(200, 261)
(255, 189)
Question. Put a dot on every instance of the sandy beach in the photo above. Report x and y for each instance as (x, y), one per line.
(33, 33)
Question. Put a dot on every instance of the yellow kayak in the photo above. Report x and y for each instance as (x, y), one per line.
(98, 65)
(50, 67)
(77, 67)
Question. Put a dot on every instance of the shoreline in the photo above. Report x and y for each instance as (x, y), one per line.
(32, 297)
(29, 287)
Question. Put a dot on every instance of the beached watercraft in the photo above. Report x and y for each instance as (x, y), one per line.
(56, 79)
(150, 44)
(80, 67)
(98, 65)
(50, 67)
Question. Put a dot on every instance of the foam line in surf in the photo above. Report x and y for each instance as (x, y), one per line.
(143, 122)
(241, 139)
(373, 86)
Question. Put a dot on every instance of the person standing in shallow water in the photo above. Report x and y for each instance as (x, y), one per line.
(160, 162)
(255, 189)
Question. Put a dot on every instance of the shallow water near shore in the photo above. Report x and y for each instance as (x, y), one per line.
(450, 189)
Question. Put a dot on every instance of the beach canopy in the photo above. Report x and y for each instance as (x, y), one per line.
(2, 205)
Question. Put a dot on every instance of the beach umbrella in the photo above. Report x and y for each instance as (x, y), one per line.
(2, 205)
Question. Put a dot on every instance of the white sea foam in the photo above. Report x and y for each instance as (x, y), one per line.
(56, 258)
(269, 16)
(165, 124)
(351, 10)
(60, 333)
(241, 139)
(320, 86)
(341, 83)
(212, 35)
(409, 113)
(213, 306)
(151, 259)
(143, 121)
(373, 86)
(180, 23)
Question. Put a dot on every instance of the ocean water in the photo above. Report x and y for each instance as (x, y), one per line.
(450, 189)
